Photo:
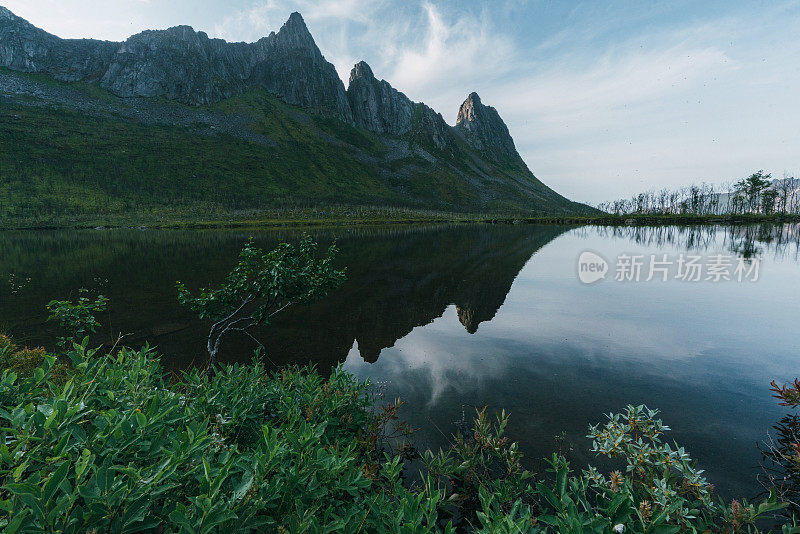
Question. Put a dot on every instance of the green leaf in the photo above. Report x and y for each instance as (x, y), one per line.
(55, 481)
(561, 481)
(16, 474)
(614, 505)
(82, 464)
(16, 522)
(244, 486)
(135, 513)
(548, 494)
(207, 471)
(35, 505)
(141, 420)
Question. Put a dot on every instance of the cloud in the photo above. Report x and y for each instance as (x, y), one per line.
(451, 54)
(89, 18)
(441, 357)
(259, 18)
(708, 101)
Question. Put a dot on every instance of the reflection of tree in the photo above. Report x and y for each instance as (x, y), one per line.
(746, 240)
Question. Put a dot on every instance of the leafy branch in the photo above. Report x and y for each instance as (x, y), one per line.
(261, 285)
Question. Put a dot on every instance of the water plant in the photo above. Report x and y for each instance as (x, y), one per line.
(76, 318)
(261, 285)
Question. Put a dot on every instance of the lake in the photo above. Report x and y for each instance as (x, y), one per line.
(450, 318)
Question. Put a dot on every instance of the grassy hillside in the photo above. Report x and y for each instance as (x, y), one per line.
(59, 161)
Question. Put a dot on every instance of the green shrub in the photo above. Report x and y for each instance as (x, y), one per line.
(119, 447)
(781, 450)
(261, 285)
(77, 318)
(24, 361)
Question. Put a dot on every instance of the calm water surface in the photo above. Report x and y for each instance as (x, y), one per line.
(452, 318)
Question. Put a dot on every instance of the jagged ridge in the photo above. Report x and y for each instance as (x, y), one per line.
(181, 64)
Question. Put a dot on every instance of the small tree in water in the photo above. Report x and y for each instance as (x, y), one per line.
(77, 318)
(261, 285)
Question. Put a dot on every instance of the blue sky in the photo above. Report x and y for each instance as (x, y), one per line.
(603, 98)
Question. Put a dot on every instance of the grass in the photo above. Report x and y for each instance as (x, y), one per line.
(342, 215)
(104, 166)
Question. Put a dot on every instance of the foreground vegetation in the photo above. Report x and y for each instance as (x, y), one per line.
(108, 442)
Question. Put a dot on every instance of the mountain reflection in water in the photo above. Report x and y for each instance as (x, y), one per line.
(397, 279)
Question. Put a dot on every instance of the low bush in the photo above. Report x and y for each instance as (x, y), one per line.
(781, 450)
(122, 447)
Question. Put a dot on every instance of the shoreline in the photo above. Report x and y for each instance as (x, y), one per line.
(143, 223)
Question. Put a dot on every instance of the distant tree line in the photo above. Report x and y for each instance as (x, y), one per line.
(758, 193)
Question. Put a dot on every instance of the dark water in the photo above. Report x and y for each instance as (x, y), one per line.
(452, 318)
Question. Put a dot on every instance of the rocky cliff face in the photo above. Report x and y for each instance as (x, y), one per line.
(376, 105)
(484, 130)
(291, 65)
(177, 64)
(380, 108)
(187, 66)
(25, 48)
(181, 64)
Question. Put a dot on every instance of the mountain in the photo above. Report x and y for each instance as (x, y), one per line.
(181, 64)
(485, 131)
(271, 122)
(380, 108)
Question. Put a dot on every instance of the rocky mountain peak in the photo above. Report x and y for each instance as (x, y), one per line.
(469, 110)
(380, 108)
(376, 105)
(361, 70)
(482, 127)
(184, 32)
(294, 68)
(296, 23)
(11, 22)
(294, 32)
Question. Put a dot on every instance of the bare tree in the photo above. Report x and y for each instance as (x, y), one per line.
(754, 194)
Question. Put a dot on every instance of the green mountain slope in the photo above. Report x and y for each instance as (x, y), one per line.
(74, 150)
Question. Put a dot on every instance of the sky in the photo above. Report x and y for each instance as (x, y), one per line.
(604, 99)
